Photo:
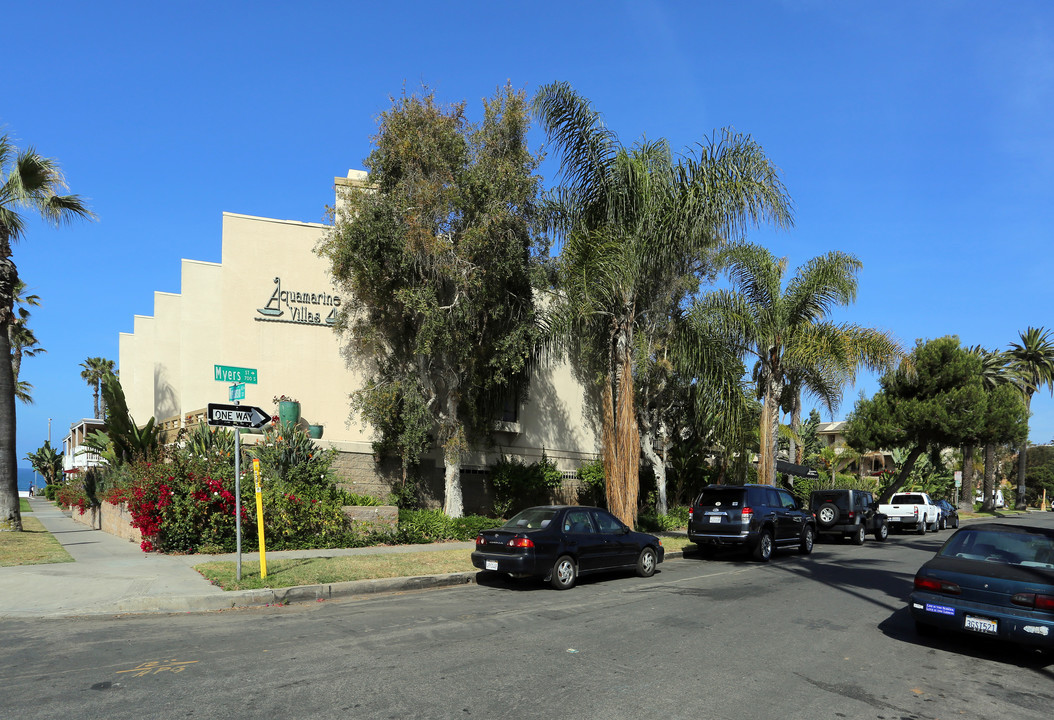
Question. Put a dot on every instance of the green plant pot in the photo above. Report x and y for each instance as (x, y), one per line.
(314, 432)
(288, 413)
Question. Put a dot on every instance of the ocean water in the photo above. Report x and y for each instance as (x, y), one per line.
(25, 478)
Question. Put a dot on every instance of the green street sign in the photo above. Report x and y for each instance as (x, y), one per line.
(237, 392)
(235, 374)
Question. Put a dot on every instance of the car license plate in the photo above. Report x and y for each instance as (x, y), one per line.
(981, 625)
(492, 564)
(715, 518)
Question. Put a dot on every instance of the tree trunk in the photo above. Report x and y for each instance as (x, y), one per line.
(658, 466)
(967, 494)
(766, 431)
(96, 394)
(988, 504)
(796, 450)
(623, 502)
(1022, 459)
(905, 470)
(453, 445)
(10, 517)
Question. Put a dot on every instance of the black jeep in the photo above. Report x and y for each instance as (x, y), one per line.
(850, 514)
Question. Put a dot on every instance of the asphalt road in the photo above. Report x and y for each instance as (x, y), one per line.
(823, 636)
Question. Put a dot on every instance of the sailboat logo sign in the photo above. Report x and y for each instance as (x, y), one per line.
(302, 308)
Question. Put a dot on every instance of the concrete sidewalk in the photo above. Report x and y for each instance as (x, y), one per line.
(113, 576)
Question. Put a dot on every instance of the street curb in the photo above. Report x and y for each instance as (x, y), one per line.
(297, 594)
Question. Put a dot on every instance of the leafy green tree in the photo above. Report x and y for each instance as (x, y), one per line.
(934, 399)
(436, 254)
(1033, 359)
(1040, 476)
(95, 370)
(30, 182)
(1001, 419)
(783, 327)
(47, 462)
(637, 228)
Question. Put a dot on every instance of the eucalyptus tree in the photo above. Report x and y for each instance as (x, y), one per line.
(1033, 359)
(28, 182)
(636, 228)
(436, 254)
(782, 326)
(95, 370)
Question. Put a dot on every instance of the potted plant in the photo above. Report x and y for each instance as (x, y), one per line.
(314, 431)
(288, 410)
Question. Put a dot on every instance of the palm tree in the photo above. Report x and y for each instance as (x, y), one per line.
(28, 181)
(1033, 358)
(996, 370)
(95, 369)
(24, 342)
(46, 461)
(636, 228)
(784, 329)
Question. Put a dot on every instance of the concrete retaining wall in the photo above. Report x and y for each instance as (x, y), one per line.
(113, 519)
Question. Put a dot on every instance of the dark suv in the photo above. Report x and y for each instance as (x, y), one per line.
(851, 514)
(759, 518)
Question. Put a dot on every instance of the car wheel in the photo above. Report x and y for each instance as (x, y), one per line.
(881, 532)
(646, 562)
(763, 548)
(942, 523)
(920, 528)
(564, 573)
(858, 534)
(827, 515)
(808, 539)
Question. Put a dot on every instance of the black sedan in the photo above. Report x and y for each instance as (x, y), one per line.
(561, 542)
(990, 579)
(949, 515)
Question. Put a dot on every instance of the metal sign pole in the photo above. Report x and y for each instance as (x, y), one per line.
(238, 496)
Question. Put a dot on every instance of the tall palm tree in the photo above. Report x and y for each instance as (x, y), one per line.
(24, 342)
(783, 328)
(30, 182)
(1033, 358)
(996, 370)
(635, 225)
(95, 369)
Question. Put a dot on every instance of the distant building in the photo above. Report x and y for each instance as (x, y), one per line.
(75, 456)
(831, 435)
(270, 305)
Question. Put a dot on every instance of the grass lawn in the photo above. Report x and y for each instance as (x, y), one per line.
(23, 506)
(322, 571)
(33, 546)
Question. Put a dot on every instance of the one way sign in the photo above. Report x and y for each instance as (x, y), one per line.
(239, 416)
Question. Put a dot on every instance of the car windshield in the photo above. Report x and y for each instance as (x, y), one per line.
(729, 497)
(1001, 547)
(530, 519)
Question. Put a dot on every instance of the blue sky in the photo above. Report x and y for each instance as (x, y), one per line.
(917, 136)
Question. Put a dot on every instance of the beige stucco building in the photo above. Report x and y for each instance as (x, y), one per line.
(269, 304)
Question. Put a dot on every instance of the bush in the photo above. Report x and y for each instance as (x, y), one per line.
(592, 490)
(426, 526)
(676, 519)
(518, 486)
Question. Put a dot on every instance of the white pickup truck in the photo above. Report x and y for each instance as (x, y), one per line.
(912, 511)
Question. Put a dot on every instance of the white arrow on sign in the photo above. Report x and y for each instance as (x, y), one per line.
(236, 416)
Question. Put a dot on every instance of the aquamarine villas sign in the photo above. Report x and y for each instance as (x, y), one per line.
(297, 306)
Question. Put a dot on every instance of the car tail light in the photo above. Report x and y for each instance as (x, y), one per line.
(916, 511)
(691, 513)
(480, 540)
(748, 514)
(1034, 601)
(521, 542)
(852, 514)
(937, 586)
